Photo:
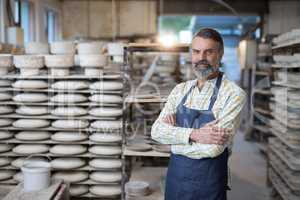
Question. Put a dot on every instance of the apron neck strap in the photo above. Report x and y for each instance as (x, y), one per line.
(216, 91)
(185, 96)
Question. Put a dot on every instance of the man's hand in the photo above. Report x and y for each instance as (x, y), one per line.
(210, 134)
(170, 119)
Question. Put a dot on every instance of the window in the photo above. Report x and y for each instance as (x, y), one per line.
(17, 11)
(24, 16)
(25, 20)
(51, 28)
(2, 28)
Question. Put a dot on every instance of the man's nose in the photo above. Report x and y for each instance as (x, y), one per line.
(201, 56)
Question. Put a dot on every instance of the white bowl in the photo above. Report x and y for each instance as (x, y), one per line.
(62, 47)
(36, 48)
(29, 61)
(93, 60)
(90, 48)
(59, 61)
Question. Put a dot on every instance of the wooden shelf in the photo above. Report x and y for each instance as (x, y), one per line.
(145, 100)
(156, 47)
(262, 73)
(287, 46)
(262, 128)
(45, 76)
(84, 155)
(53, 117)
(48, 103)
(49, 141)
(286, 84)
(11, 128)
(81, 91)
(280, 186)
(262, 91)
(152, 153)
(262, 111)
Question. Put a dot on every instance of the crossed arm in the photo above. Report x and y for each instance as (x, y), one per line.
(214, 135)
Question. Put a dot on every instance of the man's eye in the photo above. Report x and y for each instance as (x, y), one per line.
(210, 51)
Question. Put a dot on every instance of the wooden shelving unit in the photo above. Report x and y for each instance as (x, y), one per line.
(87, 156)
(145, 100)
(284, 148)
(261, 78)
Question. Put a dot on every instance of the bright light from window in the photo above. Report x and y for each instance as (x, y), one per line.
(168, 39)
(185, 36)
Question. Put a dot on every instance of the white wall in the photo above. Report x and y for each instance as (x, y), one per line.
(284, 15)
(106, 19)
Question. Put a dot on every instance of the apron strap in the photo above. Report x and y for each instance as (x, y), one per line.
(186, 95)
(213, 98)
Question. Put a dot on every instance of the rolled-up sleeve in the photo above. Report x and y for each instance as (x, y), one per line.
(230, 115)
(229, 118)
(166, 133)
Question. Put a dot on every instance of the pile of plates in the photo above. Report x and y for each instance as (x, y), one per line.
(134, 189)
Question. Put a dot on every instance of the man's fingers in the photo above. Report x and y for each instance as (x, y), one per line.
(212, 123)
(169, 119)
(227, 130)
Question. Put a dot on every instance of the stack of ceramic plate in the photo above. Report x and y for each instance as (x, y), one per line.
(62, 59)
(116, 50)
(29, 65)
(91, 57)
(59, 64)
(136, 189)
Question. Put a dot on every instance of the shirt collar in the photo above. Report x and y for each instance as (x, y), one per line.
(211, 81)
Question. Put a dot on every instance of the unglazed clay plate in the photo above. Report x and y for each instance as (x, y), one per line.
(71, 177)
(106, 163)
(69, 149)
(106, 177)
(70, 124)
(67, 163)
(32, 135)
(105, 137)
(78, 190)
(27, 149)
(105, 190)
(31, 123)
(69, 136)
(105, 150)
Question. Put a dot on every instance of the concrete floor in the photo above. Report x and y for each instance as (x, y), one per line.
(248, 171)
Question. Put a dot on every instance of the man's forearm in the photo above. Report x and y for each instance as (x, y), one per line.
(170, 134)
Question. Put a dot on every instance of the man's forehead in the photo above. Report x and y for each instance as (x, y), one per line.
(204, 43)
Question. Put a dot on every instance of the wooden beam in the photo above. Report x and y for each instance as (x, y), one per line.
(209, 7)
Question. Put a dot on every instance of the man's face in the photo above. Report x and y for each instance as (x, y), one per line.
(206, 56)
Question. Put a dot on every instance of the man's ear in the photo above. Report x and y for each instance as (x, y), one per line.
(221, 54)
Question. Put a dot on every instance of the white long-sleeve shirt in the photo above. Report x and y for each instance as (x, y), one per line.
(227, 109)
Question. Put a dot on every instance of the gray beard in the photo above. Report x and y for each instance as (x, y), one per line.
(203, 73)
